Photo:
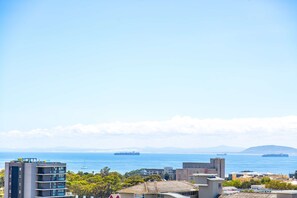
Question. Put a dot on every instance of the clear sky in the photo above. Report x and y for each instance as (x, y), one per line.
(75, 68)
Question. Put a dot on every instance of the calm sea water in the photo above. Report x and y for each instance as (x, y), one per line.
(122, 164)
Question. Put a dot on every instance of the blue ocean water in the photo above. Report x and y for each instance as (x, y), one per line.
(124, 163)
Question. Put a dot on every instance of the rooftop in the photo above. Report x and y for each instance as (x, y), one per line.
(290, 192)
(38, 162)
(249, 195)
(160, 187)
(205, 175)
(175, 195)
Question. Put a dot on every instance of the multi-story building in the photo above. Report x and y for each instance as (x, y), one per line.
(152, 171)
(215, 166)
(170, 173)
(30, 178)
(167, 173)
(293, 175)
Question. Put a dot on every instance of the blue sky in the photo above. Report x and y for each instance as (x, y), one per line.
(64, 63)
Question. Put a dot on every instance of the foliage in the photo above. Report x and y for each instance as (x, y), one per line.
(265, 180)
(104, 171)
(104, 183)
(271, 184)
(166, 176)
(2, 178)
(134, 172)
(153, 178)
(280, 185)
(248, 191)
(133, 180)
(236, 183)
(98, 185)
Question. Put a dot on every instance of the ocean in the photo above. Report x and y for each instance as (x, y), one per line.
(89, 162)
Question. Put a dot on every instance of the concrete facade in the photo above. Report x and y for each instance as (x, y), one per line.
(29, 178)
(286, 194)
(215, 166)
(210, 186)
(162, 172)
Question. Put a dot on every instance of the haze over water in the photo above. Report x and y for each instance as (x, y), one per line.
(122, 164)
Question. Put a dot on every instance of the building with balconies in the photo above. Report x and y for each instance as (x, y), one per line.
(31, 178)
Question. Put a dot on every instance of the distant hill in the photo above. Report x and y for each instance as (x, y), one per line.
(169, 150)
(270, 149)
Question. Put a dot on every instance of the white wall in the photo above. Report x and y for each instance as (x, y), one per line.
(30, 180)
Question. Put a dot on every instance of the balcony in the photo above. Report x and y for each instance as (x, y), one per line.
(51, 170)
(52, 173)
(49, 186)
(50, 178)
(66, 195)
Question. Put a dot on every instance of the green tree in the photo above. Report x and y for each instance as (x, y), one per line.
(153, 178)
(133, 180)
(245, 185)
(265, 180)
(134, 172)
(104, 171)
(2, 178)
(236, 183)
(99, 185)
(166, 176)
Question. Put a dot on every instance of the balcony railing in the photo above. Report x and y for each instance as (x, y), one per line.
(51, 186)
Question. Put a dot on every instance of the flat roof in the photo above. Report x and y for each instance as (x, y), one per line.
(204, 174)
(216, 179)
(290, 192)
(175, 195)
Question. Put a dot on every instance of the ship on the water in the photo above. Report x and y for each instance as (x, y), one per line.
(275, 155)
(127, 153)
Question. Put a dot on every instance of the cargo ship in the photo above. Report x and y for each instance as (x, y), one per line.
(275, 155)
(221, 154)
(127, 153)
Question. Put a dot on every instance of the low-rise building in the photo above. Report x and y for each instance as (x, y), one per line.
(248, 175)
(161, 189)
(260, 189)
(167, 173)
(152, 171)
(293, 175)
(248, 195)
(207, 186)
(286, 193)
(273, 194)
(228, 190)
(210, 186)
